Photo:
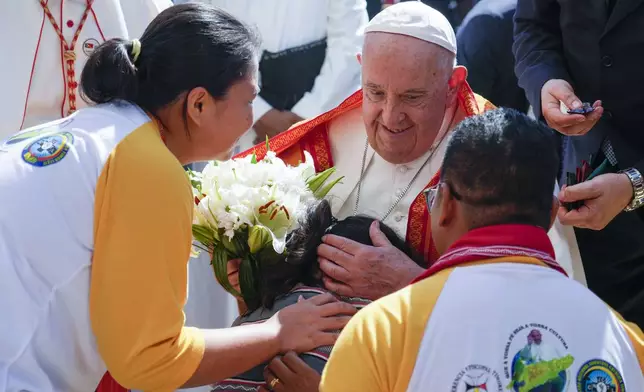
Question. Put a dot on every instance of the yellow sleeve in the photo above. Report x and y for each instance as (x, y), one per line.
(377, 350)
(636, 335)
(142, 226)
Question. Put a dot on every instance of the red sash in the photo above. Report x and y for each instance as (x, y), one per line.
(493, 242)
(313, 136)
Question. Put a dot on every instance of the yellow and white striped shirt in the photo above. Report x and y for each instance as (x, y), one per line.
(495, 325)
(95, 236)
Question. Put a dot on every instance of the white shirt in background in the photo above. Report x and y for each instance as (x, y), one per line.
(32, 70)
(285, 24)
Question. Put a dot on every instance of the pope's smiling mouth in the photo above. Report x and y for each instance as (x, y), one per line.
(396, 131)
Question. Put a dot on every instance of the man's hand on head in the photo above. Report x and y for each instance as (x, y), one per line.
(554, 92)
(356, 270)
(604, 197)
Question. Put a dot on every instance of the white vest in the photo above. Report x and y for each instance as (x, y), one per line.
(46, 244)
(493, 325)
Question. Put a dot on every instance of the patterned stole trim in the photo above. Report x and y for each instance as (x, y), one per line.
(311, 135)
(419, 235)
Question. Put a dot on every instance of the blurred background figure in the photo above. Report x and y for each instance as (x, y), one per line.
(46, 45)
(485, 48)
(309, 63)
(453, 10)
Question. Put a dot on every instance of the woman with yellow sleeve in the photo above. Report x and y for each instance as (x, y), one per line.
(96, 213)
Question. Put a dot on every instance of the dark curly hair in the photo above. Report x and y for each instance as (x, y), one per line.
(301, 262)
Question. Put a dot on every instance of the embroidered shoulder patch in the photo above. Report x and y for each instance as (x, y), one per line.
(599, 375)
(48, 150)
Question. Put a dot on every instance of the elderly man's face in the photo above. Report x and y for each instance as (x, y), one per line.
(406, 91)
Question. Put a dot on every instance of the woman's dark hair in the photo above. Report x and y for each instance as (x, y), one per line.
(186, 46)
(301, 263)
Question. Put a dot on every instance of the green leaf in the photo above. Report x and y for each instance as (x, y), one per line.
(229, 245)
(247, 282)
(253, 159)
(322, 192)
(204, 235)
(220, 267)
(315, 182)
(268, 148)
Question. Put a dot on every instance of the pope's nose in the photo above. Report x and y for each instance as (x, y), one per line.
(393, 118)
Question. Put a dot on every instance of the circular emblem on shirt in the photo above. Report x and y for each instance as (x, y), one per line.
(89, 45)
(48, 150)
(536, 359)
(598, 375)
(477, 378)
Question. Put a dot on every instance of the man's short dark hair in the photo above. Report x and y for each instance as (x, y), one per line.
(503, 164)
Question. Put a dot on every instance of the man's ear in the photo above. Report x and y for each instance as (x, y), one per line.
(553, 211)
(447, 206)
(458, 77)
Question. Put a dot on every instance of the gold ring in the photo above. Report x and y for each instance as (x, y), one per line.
(274, 383)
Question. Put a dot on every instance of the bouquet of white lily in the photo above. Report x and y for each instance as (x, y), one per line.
(246, 208)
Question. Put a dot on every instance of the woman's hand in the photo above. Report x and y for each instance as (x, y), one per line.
(310, 323)
(292, 375)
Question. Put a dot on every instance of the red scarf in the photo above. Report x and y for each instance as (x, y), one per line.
(493, 242)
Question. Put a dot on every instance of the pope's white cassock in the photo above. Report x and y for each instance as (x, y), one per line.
(291, 31)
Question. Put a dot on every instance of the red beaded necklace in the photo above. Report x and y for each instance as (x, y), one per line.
(69, 54)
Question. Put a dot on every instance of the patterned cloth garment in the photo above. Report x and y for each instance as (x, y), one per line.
(251, 380)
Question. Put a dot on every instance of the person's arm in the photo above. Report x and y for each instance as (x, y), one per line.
(476, 53)
(143, 216)
(138, 14)
(143, 236)
(364, 357)
(538, 49)
(339, 76)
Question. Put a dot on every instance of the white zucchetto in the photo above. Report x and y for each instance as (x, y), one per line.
(415, 19)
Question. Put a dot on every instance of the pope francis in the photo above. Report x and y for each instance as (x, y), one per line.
(387, 140)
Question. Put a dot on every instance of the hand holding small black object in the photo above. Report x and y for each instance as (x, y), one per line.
(585, 108)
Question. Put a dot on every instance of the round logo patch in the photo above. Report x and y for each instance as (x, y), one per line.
(536, 359)
(89, 46)
(598, 375)
(477, 378)
(48, 149)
